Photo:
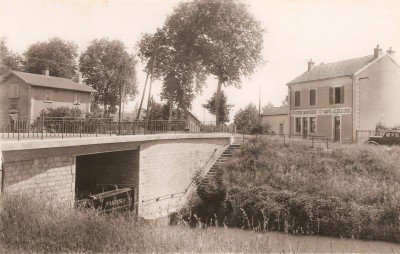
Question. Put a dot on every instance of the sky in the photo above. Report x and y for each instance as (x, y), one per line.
(296, 31)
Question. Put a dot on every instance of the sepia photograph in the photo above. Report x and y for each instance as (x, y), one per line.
(199, 126)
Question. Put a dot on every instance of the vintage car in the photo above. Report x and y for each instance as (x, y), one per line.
(111, 197)
(389, 139)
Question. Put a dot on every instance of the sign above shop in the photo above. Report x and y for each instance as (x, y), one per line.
(324, 111)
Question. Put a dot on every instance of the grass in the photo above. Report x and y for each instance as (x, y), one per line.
(31, 224)
(350, 191)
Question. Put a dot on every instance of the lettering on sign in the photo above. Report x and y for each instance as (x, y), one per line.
(325, 111)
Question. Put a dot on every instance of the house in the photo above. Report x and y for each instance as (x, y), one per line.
(25, 94)
(277, 118)
(336, 99)
(193, 123)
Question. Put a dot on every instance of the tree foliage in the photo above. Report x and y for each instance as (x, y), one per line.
(267, 107)
(222, 35)
(173, 63)
(285, 101)
(110, 69)
(247, 121)
(56, 54)
(61, 112)
(8, 59)
(224, 108)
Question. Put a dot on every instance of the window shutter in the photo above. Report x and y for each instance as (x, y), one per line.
(330, 95)
(342, 94)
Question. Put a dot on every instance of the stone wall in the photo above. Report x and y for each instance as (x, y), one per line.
(160, 166)
(167, 170)
(52, 176)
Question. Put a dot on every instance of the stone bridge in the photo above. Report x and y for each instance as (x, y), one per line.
(159, 167)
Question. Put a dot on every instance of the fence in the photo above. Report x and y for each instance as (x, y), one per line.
(312, 141)
(61, 127)
(322, 141)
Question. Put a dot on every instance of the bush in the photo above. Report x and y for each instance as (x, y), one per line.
(352, 191)
(61, 112)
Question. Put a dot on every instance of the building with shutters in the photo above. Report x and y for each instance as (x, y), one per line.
(336, 99)
(26, 95)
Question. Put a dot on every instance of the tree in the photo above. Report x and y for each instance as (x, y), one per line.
(110, 70)
(285, 101)
(223, 35)
(224, 108)
(267, 107)
(8, 59)
(247, 120)
(158, 111)
(56, 55)
(170, 61)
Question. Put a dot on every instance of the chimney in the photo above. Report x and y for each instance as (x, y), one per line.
(78, 78)
(377, 51)
(391, 51)
(46, 72)
(310, 64)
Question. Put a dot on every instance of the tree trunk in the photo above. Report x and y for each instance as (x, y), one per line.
(105, 110)
(170, 109)
(217, 98)
(105, 104)
(120, 103)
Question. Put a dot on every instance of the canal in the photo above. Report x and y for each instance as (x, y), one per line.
(281, 242)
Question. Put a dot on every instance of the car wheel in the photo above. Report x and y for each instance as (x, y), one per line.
(368, 142)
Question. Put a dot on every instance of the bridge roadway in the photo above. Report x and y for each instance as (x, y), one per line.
(159, 167)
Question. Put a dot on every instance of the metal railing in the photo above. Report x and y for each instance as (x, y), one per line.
(62, 127)
(313, 141)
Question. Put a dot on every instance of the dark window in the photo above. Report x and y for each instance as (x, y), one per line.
(298, 124)
(313, 93)
(336, 95)
(297, 98)
(313, 125)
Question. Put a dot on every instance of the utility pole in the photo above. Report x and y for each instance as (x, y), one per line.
(149, 98)
(141, 101)
(145, 84)
(259, 101)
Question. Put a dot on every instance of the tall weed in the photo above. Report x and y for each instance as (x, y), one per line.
(350, 191)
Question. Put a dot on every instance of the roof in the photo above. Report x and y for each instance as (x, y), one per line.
(195, 117)
(276, 111)
(53, 82)
(331, 70)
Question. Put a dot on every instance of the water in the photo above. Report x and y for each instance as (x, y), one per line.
(280, 242)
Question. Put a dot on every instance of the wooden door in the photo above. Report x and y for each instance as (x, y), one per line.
(337, 128)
